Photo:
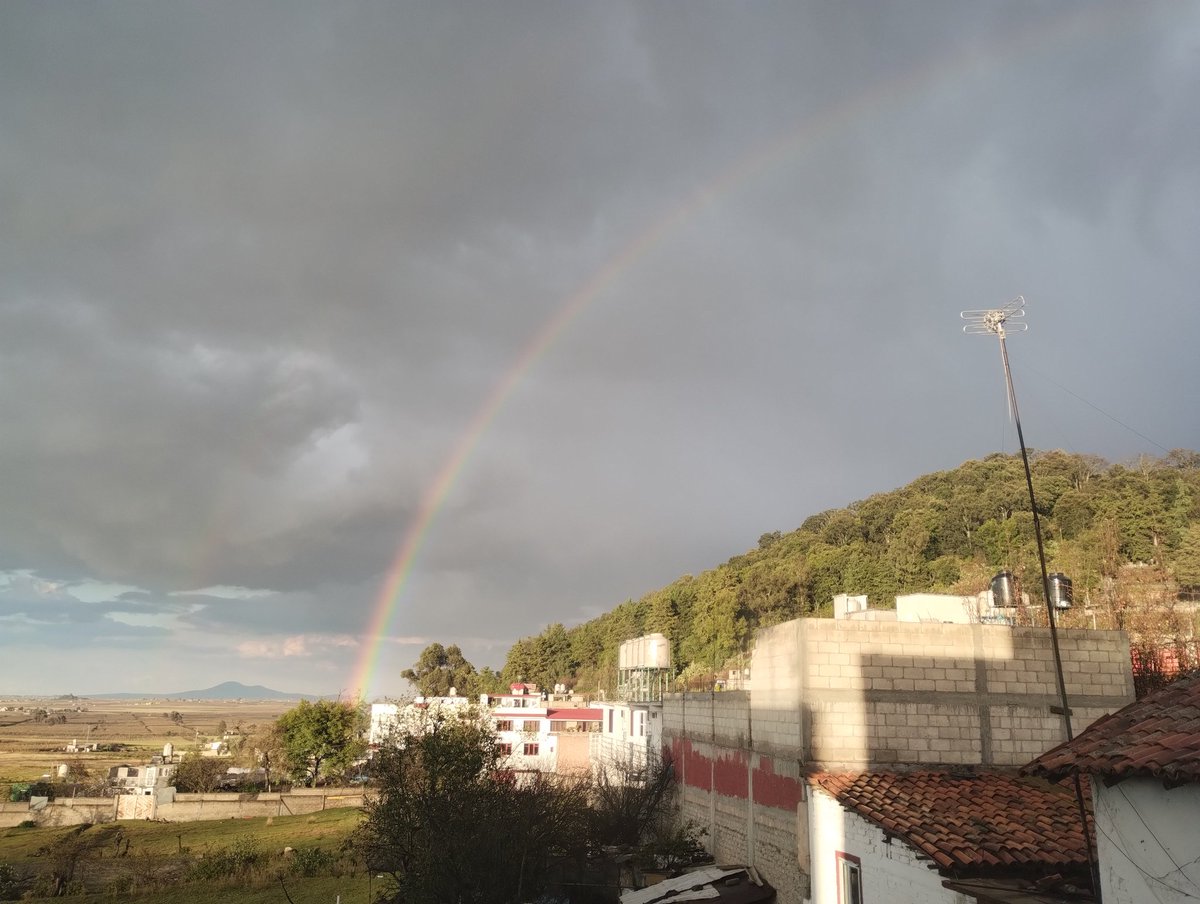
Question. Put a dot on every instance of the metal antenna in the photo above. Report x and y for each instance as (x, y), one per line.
(998, 322)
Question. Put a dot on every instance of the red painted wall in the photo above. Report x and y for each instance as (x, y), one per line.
(729, 774)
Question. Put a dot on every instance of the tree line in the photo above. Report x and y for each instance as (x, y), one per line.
(1127, 534)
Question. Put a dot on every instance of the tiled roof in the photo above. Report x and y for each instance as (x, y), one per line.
(984, 823)
(1157, 736)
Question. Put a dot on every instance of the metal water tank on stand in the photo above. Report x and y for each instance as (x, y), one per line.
(1004, 591)
(1061, 592)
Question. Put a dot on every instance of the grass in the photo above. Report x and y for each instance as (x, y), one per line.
(148, 862)
(322, 890)
(155, 857)
(326, 830)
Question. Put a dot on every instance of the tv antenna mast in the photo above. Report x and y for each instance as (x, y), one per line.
(998, 322)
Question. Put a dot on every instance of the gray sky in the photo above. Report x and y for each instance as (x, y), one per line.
(264, 267)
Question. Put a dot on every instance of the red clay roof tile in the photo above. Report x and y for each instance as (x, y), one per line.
(1157, 736)
(973, 823)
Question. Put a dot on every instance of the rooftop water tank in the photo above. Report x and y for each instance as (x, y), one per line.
(1061, 593)
(1004, 591)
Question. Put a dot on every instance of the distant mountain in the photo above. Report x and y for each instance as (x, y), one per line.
(227, 690)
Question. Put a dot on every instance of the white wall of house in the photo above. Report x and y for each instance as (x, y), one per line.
(891, 872)
(1148, 840)
(389, 719)
(629, 734)
(530, 730)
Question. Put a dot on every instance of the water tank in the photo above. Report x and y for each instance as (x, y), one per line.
(1061, 594)
(1004, 591)
(168, 750)
(63, 770)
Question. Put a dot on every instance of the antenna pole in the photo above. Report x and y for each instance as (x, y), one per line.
(993, 322)
(1037, 532)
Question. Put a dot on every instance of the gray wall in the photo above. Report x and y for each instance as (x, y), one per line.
(844, 695)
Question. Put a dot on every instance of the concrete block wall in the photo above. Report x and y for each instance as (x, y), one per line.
(185, 807)
(863, 695)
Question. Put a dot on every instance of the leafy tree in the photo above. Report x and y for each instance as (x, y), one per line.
(325, 735)
(265, 748)
(441, 668)
(200, 774)
(1187, 558)
(448, 825)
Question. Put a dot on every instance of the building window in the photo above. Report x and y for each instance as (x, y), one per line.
(504, 725)
(504, 749)
(529, 725)
(530, 750)
(849, 877)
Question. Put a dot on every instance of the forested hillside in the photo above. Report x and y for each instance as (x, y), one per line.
(1128, 535)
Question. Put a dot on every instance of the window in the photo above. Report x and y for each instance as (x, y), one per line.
(504, 725)
(504, 749)
(530, 750)
(530, 725)
(610, 721)
(849, 878)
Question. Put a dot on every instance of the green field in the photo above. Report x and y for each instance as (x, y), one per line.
(151, 861)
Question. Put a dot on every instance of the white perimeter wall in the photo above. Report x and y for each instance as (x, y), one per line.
(891, 873)
(1148, 839)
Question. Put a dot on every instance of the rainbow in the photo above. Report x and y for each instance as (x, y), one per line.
(879, 97)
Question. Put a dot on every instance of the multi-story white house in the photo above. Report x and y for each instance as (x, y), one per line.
(532, 733)
(535, 735)
(630, 735)
(388, 719)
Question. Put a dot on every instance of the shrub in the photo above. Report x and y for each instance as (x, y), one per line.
(310, 862)
(239, 858)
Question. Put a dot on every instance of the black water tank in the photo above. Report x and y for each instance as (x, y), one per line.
(1004, 591)
(1061, 594)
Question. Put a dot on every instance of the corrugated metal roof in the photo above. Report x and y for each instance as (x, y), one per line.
(693, 886)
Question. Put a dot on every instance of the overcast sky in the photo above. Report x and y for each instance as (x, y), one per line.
(636, 282)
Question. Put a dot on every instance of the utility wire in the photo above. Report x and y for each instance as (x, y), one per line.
(1179, 869)
(1096, 407)
(1161, 880)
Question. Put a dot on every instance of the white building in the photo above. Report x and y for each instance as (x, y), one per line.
(400, 718)
(629, 736)
(944, 608)
(1144, 765)
(532, 733)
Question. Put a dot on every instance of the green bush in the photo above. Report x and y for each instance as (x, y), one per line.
(311, 862)
(241, 857)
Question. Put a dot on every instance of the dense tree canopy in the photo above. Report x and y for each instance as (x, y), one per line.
(325, 735)
(948, 531)
(441, 668)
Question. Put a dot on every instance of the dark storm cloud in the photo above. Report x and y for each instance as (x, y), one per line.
(262, 265)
